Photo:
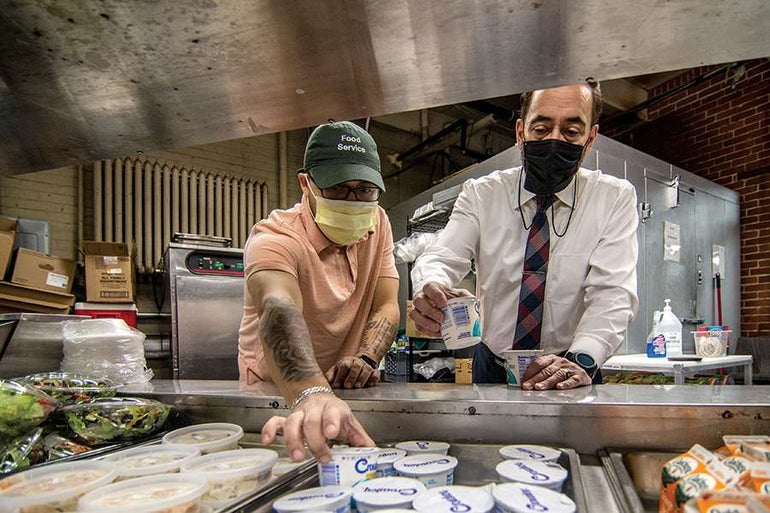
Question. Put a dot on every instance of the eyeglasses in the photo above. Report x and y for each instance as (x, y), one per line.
(361, 193)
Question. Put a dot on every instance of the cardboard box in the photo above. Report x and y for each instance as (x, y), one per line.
(109, 272)
(7, 236)
(44, 272)
(411, 329)
(463, 371)
(18, 298)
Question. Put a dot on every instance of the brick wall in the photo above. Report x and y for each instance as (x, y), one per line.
(719, 128)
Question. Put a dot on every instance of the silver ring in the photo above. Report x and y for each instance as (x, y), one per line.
(567, 374)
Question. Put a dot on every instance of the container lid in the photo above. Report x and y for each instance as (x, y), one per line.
(523, 498)
(355, 451)
(414, 446)
(389, 455)
(144, 494)
(152, 459)
(55, 483)
(105, 307)
(450, 499)
(205, 436)
(388, 491)
(230, 464)
(425, 464)
(313, 499)
(540, 473)
(71, 387)
(529, 452)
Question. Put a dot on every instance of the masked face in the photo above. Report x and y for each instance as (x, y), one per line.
(344, 222)
(550, 164)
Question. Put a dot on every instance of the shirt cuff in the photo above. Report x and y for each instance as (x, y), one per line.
(589, 345)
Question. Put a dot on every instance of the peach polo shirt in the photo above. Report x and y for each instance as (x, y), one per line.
(336, 282)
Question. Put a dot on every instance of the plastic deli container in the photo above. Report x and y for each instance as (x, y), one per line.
(54, 487)
(115, 418)
(231, 474)
(71, 388)
(450, 499)
(529, 452)
(423, 446)
(387, 492)
(432, 469)
(520, 498)
(23, 408)
(385, 460)
(208, 438)
(322, 498)
(173, 493)
(348, 466)
(538, 473)
(152, 459)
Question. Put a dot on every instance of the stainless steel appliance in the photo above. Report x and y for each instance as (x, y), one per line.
(205, 282)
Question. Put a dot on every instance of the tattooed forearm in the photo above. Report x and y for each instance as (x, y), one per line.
(378, 336)
(284, 333)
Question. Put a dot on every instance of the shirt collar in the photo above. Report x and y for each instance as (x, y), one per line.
(565, 195)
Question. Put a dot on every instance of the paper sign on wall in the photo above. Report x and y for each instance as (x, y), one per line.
(671, 241)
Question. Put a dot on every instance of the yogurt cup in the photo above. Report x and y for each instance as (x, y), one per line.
(423, 446)
(529, 452)
(461, 326)
(322, 498)
(432, 469)
(516, 363)
(521, 498)
(208, 438)
(152, 459)
(171, 493)
(386, 492)
(348, 466)
(385, 460)
(451, 499)
(54, 487)
(537, 473)
(231, 474)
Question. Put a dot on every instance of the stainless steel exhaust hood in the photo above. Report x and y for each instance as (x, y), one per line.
(87, 80)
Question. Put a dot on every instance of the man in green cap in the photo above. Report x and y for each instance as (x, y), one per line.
(321, 297)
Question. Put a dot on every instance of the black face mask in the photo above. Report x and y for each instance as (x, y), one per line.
(550, 164)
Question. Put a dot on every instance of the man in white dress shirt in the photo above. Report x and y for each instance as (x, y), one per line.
(590, 286)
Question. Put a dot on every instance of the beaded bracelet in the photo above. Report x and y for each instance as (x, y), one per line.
(310, 391)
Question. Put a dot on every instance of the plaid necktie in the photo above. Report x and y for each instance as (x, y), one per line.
(532, 293)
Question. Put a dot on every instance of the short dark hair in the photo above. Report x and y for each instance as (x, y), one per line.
(596, 97)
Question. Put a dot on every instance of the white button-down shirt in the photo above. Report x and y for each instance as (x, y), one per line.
(590, 292)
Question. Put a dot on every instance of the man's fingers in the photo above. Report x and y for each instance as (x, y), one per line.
(293, 435)
(272, 428)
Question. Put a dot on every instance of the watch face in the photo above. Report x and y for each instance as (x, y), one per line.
(584, 360)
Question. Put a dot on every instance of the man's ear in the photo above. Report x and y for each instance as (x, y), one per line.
(592, 134)
(520, 134)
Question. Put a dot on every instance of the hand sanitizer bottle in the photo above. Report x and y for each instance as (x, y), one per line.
(672, 331)
(656, 342)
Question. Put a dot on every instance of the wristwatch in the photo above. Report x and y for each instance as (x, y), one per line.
(584, 360)
(369, 361)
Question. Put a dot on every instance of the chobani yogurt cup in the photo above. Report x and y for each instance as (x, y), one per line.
(385, 460)
(423, 446)
(521, 498)
(538, 473)
(231, 474)
(54, 487)
(386, 492)
(170, 493)
(348, 466)
(208, 438)
(322, 498)
(432, 469)
(151, 459)
(529, 452)
(451, 499)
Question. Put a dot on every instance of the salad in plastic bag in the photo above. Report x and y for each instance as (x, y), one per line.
(117, 418)
(22, 408)
(71, 388)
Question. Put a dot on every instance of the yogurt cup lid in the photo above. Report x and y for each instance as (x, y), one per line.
(54, 483)
(532, 472)
(425, 464)
(205, 435)
(529, 452)
(152, 459)
(423, 446)
(388, 491)
(363, 451)
(526, 498)
(313, 499)
(144, 494)
(455, 498)
(389, 455)
(232, 463)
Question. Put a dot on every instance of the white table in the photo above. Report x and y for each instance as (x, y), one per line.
(680, 369)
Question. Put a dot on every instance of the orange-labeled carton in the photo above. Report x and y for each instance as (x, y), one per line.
(689, 474)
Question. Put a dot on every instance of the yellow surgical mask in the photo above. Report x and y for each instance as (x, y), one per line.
(344, 222)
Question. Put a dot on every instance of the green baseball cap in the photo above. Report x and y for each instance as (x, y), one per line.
(341, 151)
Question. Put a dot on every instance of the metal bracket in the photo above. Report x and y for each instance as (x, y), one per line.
(645, 211)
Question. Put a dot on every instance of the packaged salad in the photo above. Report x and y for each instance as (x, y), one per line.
(22, 408)
(116, 418)
(23, 452)
(69, 388)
